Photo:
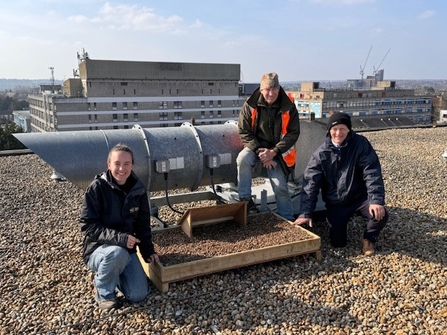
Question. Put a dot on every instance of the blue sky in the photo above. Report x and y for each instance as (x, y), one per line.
(299, 39)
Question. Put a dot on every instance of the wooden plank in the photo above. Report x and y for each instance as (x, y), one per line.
(213, 214)
(225, 262)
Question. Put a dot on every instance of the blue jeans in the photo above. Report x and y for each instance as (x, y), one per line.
(246, 161)
(116, 268)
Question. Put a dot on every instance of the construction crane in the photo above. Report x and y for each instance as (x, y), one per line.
(375, 70)
(362, 69)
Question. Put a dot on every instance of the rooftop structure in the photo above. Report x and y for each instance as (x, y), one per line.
(108, 94)
(376, 99)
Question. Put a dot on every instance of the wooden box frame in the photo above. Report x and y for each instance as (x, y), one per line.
(161, 276)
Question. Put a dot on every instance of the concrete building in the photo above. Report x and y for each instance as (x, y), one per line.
(107, 94)
(381, 101)
(22, 118)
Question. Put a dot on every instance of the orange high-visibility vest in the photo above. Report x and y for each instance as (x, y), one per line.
(290, 155)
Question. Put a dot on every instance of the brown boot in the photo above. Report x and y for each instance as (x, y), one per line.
(367, 247)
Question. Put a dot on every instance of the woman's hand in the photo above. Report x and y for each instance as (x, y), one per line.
(132, 241)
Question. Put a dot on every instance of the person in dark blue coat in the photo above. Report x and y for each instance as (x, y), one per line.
(347, 171)
(115, 218)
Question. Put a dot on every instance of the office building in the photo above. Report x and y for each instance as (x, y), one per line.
(375, 99)
(109, 94)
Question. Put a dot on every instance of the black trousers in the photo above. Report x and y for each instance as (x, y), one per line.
(338, 218)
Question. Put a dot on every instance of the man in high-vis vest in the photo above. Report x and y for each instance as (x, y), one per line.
(269, 128)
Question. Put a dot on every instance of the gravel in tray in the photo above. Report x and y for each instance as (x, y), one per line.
(228, 237)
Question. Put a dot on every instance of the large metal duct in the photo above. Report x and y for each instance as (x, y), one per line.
(184, 155)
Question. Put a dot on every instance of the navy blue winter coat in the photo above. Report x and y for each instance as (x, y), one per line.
(345, 175)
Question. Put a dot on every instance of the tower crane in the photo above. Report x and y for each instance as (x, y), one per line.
(362, 69)
(375, 70)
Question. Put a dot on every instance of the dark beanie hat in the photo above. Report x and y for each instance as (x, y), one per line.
(339, 118)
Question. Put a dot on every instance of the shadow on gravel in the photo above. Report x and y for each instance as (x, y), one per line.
(407, 232)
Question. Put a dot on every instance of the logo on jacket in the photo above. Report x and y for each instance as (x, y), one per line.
(134, 209)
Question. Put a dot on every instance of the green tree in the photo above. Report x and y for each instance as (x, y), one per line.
(7, 139)
(6, 103)
(20, 105)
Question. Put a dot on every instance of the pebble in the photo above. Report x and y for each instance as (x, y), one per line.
(45, 288)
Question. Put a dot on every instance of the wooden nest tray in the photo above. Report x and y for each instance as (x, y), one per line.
(225, 244)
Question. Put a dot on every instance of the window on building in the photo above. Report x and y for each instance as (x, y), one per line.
(125, 117)
(163, 116)
(124, 105)
(94, 106)
(114, 104)
(219, 113)
(135, 105)
(90, 118)
(211, 114)
(177, 104)
(115, 117)
(178, 116)
(88, 106)
(219, 103)
(211, 103)
(202, 103)
(96, 118)
(113, 91)
(115, 127)
(202, 114)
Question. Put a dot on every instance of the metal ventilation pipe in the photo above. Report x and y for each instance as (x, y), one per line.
(185, 154)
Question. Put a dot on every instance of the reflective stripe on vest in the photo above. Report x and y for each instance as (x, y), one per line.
(290, 155)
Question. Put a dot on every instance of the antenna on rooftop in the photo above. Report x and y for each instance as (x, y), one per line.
(362, 69)
(82, 56)
(52, 79)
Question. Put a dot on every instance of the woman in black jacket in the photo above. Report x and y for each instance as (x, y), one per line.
(347, 171)
(115, 218)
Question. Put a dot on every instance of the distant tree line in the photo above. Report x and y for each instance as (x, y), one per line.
(10, 104)
(7, 139)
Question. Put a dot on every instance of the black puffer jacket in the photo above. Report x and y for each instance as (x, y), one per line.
(109, 215)
(344, 175)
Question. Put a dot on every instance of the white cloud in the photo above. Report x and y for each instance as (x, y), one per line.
(427, 14)
(342, 2)
(376, 31)
(135, 18)
(77, 18)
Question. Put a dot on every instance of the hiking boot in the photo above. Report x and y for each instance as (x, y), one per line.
(107, 305)
(251, 206)
(367, 247)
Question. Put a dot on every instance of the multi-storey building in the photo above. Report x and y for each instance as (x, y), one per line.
(382, 100)
(107, 94)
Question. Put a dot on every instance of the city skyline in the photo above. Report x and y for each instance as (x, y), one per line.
(300, 39)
